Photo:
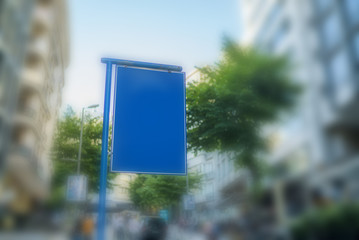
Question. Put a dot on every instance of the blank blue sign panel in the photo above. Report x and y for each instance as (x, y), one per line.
(149, 123)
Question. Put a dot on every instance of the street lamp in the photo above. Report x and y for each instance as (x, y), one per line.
(82, 125)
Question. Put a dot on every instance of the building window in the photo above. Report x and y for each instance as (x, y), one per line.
(352, 11)
(1, 58)
(323, 5)
(340, 73)
(268, 22)
(331, 30)
(1, 6)
(356, 46)
(280, 34)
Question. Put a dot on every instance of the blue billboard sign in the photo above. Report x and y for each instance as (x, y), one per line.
(149, 122)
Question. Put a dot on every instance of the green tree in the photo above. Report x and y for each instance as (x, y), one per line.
(150, 192)
(227, 108)
(328, 222)
(65, 152)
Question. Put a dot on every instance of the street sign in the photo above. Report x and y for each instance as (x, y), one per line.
(164, 215)
(76, 188)
(149, 125)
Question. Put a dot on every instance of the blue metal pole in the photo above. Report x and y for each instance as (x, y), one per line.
(101, 220)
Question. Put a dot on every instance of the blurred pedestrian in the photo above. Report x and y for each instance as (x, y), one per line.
(119, 226)
(211, 230)
(76, 233)
(87, 227)
(134, 227)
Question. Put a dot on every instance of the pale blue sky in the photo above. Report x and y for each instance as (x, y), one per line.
(181, 32)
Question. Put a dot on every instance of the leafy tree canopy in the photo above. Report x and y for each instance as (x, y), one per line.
(227, 108)
(65, 152)
(150, 192)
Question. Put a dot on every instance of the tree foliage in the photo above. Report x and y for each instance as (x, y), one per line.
(65, 151)
(150, 192)
(330, 222)
(227, 108)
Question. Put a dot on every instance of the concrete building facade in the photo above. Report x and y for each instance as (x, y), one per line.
(34, 50)
(121, 185)
(314, 151)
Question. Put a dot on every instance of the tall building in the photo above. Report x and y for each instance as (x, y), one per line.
(314, 152)
(33, 57)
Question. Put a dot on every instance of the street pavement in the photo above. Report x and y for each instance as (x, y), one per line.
(176, 233)
(33, 236)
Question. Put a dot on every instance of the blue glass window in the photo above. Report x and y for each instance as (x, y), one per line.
(352, 11)
(341, 76)
(280, 34)
(331, 30)
(272, 16)
(356, 46)
(323, 5)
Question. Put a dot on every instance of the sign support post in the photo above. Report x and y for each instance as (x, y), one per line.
(101, 220)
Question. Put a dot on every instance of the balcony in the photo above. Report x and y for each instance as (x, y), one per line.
(38, 52)
(24, 125)
(29, 112)
(34, 77)
(45, 3)
(346, 117)
(23, 166)
(33, 85)
(41, 21)
(344, 129)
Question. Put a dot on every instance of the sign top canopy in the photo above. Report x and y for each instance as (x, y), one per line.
(128, 63)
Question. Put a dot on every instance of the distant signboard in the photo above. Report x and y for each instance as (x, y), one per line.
(76, 188)
(149, 123)
(164, 215)
(188, 202)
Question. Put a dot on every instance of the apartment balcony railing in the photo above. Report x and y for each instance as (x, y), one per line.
(37, 53)
(24, 122)
(41, 21)
(29, 112)
(23, 165)
(33, 82)
(34, 77)
(28, 154)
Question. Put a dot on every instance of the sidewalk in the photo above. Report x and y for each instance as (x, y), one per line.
(176, 233)
(33, 236)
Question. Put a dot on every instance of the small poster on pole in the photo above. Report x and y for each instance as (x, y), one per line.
(188, 202)
(76, 188)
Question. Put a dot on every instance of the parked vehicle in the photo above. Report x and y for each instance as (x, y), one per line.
(153, 228)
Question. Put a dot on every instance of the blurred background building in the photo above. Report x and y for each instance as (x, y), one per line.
(120, 191)
(118, 198)
(313, 151)
(33, 56)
